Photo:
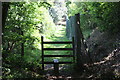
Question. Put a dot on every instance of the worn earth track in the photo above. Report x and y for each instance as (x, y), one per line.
(65, 70)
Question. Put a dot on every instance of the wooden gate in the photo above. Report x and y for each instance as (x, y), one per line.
(60, 49)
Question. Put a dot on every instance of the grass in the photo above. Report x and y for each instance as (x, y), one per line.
(59, 36)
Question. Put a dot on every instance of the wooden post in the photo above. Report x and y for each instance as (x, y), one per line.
(22, 46)
(56, 67)
(73, 49)
(42, 52)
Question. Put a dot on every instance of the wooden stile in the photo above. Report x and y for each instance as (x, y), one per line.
(60, 49)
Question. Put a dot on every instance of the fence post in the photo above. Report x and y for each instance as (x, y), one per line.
(73, 49)
(56, 67)
(42, 52)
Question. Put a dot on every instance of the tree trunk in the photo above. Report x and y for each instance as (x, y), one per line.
(0, 39)
(22, 46)
(82, 55)
(5, 7)
(77, 34)
(78, 38)
(0, 25)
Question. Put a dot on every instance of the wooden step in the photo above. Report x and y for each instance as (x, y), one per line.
(58, 56)
(57, 48)
(60, 42)
(58, 62)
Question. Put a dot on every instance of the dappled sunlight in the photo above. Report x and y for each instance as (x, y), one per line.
(111, 57)
(61, 39)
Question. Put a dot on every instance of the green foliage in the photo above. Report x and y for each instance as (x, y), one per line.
(29, 18)
(104, 15)
(107, 15)
(26, 22)
(15, 66)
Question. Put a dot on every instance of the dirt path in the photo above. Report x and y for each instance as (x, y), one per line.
(65, 70)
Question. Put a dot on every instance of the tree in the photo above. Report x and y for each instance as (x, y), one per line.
(5, 7)
(24, 25)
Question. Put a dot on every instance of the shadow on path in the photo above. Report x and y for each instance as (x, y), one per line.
(65, 70)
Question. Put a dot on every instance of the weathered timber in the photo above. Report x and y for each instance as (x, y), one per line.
(42, 52)
(58, 56)
(60, 49)
(58, 62)
(60, 42)
(57, 48)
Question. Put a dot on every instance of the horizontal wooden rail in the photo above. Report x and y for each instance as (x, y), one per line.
(58, 55)
(57, 48)
(58, 62)
(60, 42)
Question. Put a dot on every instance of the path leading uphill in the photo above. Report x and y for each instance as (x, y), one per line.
(65, 70)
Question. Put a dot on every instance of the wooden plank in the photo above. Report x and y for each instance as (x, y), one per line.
(57, 48)
(42, 52)
(58, 63)
(58, 55)
(60, 42)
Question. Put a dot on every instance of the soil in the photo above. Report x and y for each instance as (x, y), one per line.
(104, 49)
